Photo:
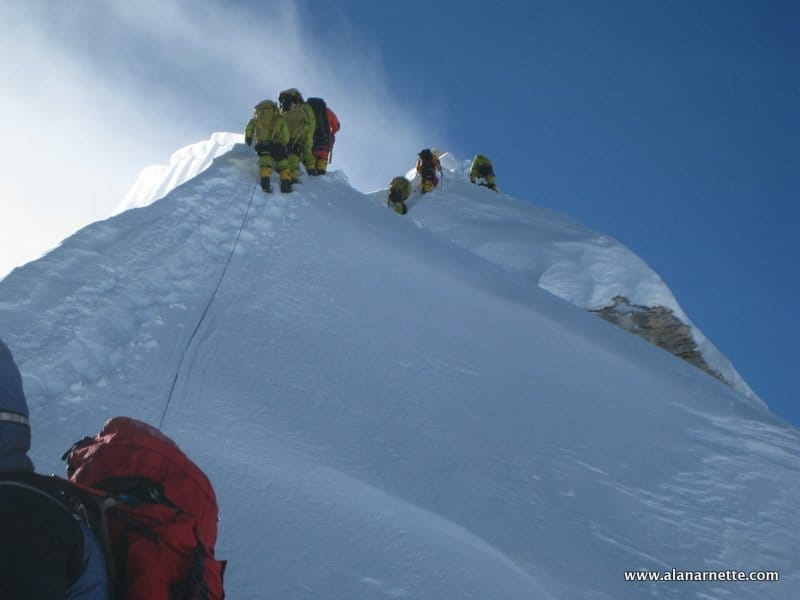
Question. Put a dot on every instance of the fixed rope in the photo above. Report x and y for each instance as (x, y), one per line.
(205, 310)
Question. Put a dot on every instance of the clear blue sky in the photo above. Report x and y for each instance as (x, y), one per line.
(672, 126)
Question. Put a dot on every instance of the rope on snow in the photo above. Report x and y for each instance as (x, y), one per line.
(205, 310)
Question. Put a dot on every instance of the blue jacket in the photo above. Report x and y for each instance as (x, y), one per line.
(15, 430)
(46, 552)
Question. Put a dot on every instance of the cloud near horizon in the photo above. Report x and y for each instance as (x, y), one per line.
(96, 92)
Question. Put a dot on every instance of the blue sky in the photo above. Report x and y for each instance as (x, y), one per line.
(672, 126)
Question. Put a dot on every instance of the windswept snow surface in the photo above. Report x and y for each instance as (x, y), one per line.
(577, 264)
(157, 181)
(387, 409)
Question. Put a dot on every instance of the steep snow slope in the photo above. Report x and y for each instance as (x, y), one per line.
(386, 414)
(567, 259)
(577, 264)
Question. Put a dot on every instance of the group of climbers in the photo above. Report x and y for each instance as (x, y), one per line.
(117, 527)
(294, 131)
(427, 167)
(481, 172)
(289, 132)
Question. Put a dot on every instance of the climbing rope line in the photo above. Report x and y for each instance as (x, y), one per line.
(205, 310)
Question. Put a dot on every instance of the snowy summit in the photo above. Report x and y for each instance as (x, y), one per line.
(418, 406)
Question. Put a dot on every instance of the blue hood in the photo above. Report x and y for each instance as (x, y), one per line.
(15, 432)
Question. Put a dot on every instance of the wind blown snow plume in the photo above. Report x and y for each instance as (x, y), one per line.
(125, 83)
(394, 406)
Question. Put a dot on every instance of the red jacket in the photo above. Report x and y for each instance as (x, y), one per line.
(333, 122)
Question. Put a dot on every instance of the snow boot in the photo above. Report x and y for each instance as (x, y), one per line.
(286, 186)
(266, 185)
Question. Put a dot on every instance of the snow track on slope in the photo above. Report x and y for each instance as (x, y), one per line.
(112, 313)
(208, 305)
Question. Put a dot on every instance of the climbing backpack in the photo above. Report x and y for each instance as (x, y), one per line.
(427, 163)
(481, 166)
(399, 189)
(485, 170)
(427, 166)
(297, 122)
(322, 130)
(266, 116)
(157, 513)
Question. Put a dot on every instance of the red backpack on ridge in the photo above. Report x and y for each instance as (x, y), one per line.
(157, 513)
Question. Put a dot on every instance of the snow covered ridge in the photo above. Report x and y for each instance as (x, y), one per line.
(569, 260)
(157, 181)
(385, 412)
(575, 263)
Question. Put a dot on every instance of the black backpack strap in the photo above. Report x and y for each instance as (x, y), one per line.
(36, 490)
(54, 488)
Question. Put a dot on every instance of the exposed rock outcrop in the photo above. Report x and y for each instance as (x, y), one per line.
(659, 326)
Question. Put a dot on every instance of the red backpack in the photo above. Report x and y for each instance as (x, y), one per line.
(158, 513)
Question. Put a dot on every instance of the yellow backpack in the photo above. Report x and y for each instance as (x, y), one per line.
(266, 116)
(297, 122)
